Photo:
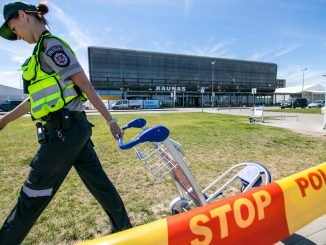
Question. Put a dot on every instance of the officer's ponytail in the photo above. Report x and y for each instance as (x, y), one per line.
(42, 9)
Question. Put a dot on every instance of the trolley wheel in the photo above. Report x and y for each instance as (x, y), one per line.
(179, 205)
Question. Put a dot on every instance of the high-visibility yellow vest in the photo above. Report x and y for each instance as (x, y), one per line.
(47, 92)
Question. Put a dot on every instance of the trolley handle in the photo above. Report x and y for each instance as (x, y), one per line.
(136, 123)
(154, 134)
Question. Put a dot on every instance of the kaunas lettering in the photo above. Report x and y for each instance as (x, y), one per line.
(170, 88)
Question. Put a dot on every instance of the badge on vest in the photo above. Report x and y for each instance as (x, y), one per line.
(58, 55)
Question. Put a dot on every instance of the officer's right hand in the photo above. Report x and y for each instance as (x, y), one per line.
(116, 131)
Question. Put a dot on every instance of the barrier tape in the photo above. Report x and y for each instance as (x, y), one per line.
(264, 215)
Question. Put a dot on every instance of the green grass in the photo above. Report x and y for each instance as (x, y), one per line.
(212, 143)
(298, 110)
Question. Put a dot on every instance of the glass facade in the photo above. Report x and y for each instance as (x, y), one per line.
(183, 80)
(280, 83)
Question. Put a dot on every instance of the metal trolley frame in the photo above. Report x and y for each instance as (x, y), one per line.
(163, 156)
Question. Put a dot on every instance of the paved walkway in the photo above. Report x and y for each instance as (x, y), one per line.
(303, 123)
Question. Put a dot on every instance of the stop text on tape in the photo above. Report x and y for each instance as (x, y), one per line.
(255, 210)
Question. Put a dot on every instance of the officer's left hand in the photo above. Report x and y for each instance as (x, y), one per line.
(116, 131)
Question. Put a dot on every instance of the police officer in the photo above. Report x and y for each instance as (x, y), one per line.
(56, 85)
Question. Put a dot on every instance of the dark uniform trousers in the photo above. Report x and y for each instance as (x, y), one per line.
(49, 168)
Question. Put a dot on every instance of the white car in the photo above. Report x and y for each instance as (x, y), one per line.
(317, 104)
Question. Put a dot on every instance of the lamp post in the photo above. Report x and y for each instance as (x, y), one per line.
(21, 85)
(303, 70)
(213, 62)
(324, 127)
(234, 90)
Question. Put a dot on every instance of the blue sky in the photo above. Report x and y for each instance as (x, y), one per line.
(290, 33)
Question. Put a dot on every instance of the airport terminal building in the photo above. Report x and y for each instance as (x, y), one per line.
(181, 80)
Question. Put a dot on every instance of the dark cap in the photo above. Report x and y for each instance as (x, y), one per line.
(8, 11)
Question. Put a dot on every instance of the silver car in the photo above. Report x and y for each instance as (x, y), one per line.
(317, 104)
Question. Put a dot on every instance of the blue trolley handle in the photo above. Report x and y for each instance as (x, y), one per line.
(136, 123)
(154, 134)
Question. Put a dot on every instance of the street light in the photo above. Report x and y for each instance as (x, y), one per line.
(213, 62)
(303, 70)
(232, 85)
(21, 84)
(324, 127)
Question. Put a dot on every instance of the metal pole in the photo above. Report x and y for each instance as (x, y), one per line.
(324, 127)
(175, 95)
(303, 70)
(202, 102)
(213, 62)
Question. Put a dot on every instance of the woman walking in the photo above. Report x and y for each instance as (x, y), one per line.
(56, 85)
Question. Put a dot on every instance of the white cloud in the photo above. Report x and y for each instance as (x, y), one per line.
(16, 51)
(287, 50)
(78, 36)
(11, 78)
(267, 55)
(294, 76)
(258, 56)
(219, 49)
(13, 54)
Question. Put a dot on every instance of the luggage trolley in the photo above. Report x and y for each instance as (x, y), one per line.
(163, 156)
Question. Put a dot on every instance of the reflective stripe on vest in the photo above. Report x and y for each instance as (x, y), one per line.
(47, 94)
(44, 92)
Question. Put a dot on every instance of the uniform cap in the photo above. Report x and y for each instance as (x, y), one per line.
(8, 11)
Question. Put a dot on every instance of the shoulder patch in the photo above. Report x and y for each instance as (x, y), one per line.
(58, 55)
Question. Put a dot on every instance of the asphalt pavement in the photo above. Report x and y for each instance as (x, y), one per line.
(303, 123)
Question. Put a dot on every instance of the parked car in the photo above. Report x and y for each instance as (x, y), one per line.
(317, 104)
(127, 104)
(295, 102)
(9, 105)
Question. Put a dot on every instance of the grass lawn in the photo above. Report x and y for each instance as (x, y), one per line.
(212, 143)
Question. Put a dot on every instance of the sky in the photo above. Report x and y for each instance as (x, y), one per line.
(289, 33)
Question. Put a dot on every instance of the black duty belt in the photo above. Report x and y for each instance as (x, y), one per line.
(62, 119)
